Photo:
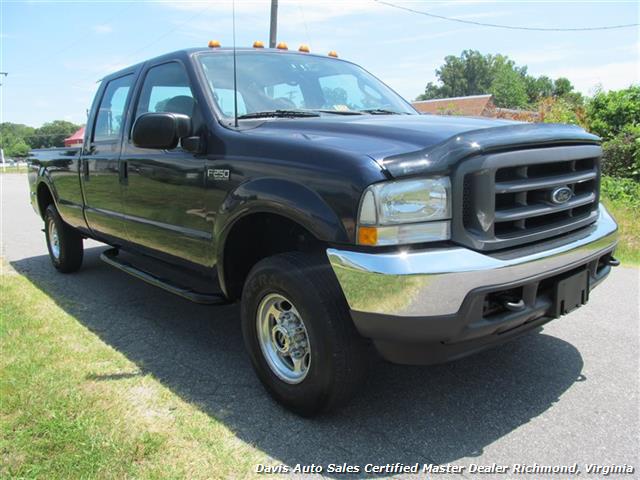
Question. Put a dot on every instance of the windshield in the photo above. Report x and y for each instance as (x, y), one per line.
(289, 81)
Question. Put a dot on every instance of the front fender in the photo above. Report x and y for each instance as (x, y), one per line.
(281, 197)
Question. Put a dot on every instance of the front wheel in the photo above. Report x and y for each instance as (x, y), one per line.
(299, 334)
(63, 242)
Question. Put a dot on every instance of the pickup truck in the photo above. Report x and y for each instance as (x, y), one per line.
(343, 221)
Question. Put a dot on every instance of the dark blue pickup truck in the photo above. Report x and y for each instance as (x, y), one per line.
(340, 218)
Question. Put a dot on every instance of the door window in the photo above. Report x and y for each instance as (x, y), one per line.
(166, 88)
(109, 119)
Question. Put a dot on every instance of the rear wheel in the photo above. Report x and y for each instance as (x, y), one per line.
(63, 242)
(299, 334)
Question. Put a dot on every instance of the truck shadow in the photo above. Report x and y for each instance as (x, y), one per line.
(404, 414)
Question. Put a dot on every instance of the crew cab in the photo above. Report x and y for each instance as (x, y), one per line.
(341, 219)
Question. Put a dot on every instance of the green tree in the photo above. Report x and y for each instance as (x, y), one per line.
(13, 139)
(473, 73)
(508, 87)
(52, 134)
(561, 87)
(469, 74)
(538, 88)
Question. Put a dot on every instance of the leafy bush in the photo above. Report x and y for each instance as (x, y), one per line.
(559, 110)
(621, 156)
(610, 113)
(623, 191)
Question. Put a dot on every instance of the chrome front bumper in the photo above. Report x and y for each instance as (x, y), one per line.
(435, 282)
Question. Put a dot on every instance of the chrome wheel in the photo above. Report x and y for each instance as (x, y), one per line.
(283, 338)
(54, 241)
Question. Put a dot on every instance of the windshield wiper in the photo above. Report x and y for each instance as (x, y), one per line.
(338, 112)
(278, 114)
(380, 111)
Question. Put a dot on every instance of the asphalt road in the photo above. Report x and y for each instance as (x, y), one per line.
(568, 394)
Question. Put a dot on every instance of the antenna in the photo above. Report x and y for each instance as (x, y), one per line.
(235, 76)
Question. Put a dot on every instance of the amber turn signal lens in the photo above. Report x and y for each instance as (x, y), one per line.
(304, 48)
(282, 46)
(368, 236)
(333, 54)
(258, 44)
(214, 44)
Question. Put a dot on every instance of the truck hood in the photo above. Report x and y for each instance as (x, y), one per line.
(412, 144)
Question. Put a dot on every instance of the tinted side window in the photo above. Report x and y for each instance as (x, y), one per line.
(166, 88)
(109, 119)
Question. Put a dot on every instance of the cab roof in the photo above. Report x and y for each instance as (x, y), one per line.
(187, 53)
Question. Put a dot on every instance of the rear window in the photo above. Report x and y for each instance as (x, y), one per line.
(110, 117)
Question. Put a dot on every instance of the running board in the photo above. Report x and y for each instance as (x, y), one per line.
(111, 257)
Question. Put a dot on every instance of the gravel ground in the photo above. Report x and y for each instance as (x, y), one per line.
(566, 395)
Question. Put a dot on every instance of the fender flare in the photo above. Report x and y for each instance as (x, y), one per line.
(43, 178)
(285, 198)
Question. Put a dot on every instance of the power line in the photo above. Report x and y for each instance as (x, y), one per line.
(508, 27)
(82, 37)
(130, 55)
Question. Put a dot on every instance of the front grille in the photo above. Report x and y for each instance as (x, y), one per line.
(524, 196)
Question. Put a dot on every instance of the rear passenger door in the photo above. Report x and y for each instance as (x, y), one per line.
(99, 170)
(165, 204)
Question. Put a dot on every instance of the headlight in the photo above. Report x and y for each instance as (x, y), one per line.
(405, 211)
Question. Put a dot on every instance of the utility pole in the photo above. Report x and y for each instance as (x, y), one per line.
(273, 30)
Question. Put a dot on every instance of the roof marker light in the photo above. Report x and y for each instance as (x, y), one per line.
(333, 54)
(282, 46)
(214, 44)
(258, 44)
(304, 48)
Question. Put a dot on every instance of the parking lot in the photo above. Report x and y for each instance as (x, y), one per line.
(568, 394)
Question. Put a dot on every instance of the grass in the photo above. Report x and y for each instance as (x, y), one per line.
(14, 169)
(61, 418)
(622, 198)
(628, 250)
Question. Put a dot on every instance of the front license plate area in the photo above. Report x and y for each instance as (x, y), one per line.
(571, 292)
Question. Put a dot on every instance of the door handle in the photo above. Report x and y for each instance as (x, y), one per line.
(124, 172)
(85, 168)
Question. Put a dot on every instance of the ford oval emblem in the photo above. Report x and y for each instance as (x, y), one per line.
(560, 195)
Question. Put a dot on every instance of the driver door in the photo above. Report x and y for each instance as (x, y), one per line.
(165, 200)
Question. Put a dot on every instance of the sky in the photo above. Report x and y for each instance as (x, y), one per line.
(55, 51)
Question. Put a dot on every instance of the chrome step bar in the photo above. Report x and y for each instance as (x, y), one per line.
(111, 257)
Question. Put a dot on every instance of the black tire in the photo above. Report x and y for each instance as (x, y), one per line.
(69, 258)
(339, 355)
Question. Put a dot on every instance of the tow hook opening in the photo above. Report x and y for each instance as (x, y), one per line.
(514, 305)
(613, 261)
(604, 263)
(507, 300)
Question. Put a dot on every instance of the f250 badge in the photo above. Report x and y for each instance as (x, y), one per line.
(218, 174)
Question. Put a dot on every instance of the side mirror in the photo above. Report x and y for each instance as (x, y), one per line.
(162, 130)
